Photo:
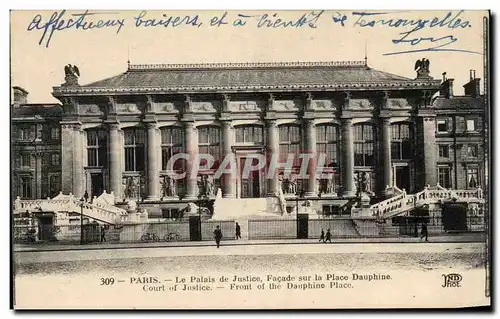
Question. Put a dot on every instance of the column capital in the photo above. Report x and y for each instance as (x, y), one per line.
(271, 123)
(227, 124)
(114, 126)
(310, 123)
(151, 125)
(346, 121)
(189, 125)
(386, 120)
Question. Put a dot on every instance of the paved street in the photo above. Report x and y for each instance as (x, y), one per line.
(74, 277)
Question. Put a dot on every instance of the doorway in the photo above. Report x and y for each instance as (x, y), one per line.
(96, 180)
(45, 227)
(194, 228)
(302, 226)
(403, 178)
(250, 185)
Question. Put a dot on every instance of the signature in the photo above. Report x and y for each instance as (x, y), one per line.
(79, 21)
(411, 37)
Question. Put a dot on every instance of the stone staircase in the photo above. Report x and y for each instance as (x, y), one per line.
(403, 203)
(101, 208)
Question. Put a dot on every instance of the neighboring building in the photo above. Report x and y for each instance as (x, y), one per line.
(382, 129)
(36, 147)
(460, 135)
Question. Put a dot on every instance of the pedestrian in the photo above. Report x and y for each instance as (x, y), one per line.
(217, 236)
(103, 234)
(423, 232)
(322, 236)
(238, 231)
(328, 236)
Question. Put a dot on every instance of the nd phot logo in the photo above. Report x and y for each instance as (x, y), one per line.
(452, 280)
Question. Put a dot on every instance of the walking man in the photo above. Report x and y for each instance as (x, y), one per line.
(424, 232)
(238, 231)
(217, 236)
(328, 236)
(103, 234)
(322, 236)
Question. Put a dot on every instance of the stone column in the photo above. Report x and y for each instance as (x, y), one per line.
(38, 176)
(229, 181)
(347, 158)
(78, 180)
(153, 162)
(192, 151)
(272, 148)
(115, 161)
(67, 158)
(429, 148)
(385, 151)
(311, 150)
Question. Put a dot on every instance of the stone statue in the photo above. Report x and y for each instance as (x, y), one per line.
(208, 185)
(171, 186)
(422, 65)
(71, 70)
(422, 68)
(130, 191)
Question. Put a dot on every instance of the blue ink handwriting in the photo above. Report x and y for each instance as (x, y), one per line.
(77, 21)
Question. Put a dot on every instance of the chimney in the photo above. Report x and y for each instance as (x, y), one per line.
(446, 87)
(20, 96)
(474, 86)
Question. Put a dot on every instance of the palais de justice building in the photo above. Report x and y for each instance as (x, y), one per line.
(377, 130)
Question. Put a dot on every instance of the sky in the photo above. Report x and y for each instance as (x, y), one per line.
(102, 53)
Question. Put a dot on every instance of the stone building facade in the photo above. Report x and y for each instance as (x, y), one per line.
(377, 130)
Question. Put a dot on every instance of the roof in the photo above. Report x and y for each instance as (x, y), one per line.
(41, 110)
(247, 77)
(458, 102)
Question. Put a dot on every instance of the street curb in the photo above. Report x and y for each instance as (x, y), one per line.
(87, 248)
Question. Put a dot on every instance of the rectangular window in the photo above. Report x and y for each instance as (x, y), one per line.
(327, 143)
(444, 175)
(55, 160)
(444, 151)
(363, 145)
(472, 177)
(55, 133)
(54, 185)
(134, 150)
(26, 190)
(27, 133)
(472, 151)
(442, 126)
(471, 125)
(25, 160)
(171, 213)
(289, 140)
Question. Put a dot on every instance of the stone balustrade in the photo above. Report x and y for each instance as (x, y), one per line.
(405, 202)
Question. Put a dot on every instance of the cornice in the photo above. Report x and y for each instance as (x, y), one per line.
(353, 86)
(245, 65)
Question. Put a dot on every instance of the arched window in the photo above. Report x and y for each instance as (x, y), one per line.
(172, 142)
(363, 145)
(289, 141)
(401, 141)
(209, 143)
(249, 134)
(327, 142)
(135, 140)
(97, 147)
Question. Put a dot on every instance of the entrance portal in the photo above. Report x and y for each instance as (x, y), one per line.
(97, 184)
(403, 178)
(250, 185)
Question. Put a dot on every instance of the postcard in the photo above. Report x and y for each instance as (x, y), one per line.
(310, 159)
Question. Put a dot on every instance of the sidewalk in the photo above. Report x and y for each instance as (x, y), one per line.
(448, 238)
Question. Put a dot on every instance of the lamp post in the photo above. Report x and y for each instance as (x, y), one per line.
(81, 220)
